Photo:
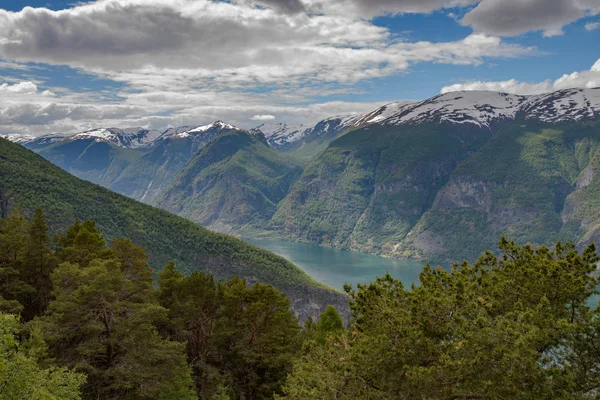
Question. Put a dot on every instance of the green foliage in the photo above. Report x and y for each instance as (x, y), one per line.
(106, 321)
(235, 181)
(22, 376)
(513, 327)
(102, 321)
(240, 340)
(32, 182)
(329, 324)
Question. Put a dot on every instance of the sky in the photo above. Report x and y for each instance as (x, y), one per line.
(68, 66)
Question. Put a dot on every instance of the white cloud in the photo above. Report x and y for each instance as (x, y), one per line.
(263, 117)
(510, 86)
(592, 26)
(373, 8)
(195, 61)
(207, 43)
(515, 17)
(581, 79)
(26, 87)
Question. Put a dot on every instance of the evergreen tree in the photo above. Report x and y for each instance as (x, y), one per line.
(329, 324)
(38, 266)
(513, 327)
(22, 377)
(261, 335)
(13, 244)
(82, 243)
(193, 304)
(102, 321)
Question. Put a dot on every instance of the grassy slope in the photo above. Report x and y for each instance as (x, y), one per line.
(236, 180)
(30, 181)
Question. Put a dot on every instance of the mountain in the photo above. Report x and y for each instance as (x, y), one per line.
(308, 141)
(16, 138)
(128, 138)
(155, 169)
(135, 162)
(406, 180)
(281, 136)
(29, 181)
(443, 178)
(236, 180)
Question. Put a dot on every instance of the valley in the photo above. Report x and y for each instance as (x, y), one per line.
(409, 180)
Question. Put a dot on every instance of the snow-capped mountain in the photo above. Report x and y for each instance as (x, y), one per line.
(281, 134)
(484, 109)
(130, 137)
(17, 138)
(200, 131)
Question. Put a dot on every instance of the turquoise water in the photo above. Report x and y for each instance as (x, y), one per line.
(336, 267)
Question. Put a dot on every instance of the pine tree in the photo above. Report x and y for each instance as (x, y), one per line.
(13, 244)
(22, 376)
(329, 324)
(37, 267)
(103, 320)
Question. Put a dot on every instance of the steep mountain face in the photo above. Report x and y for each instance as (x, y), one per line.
(135, 162)
(532, 181)
(371, 186)
(236, 180)
(444, 178)
(151, 173)
(29, 181)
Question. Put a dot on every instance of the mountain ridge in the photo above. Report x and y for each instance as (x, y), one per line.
(379, 182)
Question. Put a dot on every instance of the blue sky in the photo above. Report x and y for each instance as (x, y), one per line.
(67, 66)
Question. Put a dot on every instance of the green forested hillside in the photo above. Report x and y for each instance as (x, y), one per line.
(29, 181)
(234, 181)
(371, 186)
(529, 181)
(92, 160)
(445, 191)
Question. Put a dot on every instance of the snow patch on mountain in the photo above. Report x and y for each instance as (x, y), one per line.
(281, 134)
(130, 137)
(17, 138)
(484, 108)
(192, 131)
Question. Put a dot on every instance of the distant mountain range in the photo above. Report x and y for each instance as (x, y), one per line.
(440, 179)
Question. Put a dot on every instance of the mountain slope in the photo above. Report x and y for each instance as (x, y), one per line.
(444, 178)
(371, 186)
(135, 162)
(236, 180)
(30, 181)
(526, 182)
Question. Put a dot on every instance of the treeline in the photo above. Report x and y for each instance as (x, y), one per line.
(93, 323)
(82, 319)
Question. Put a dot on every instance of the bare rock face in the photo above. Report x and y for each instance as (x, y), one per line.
(587, 177)
(463, 193)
